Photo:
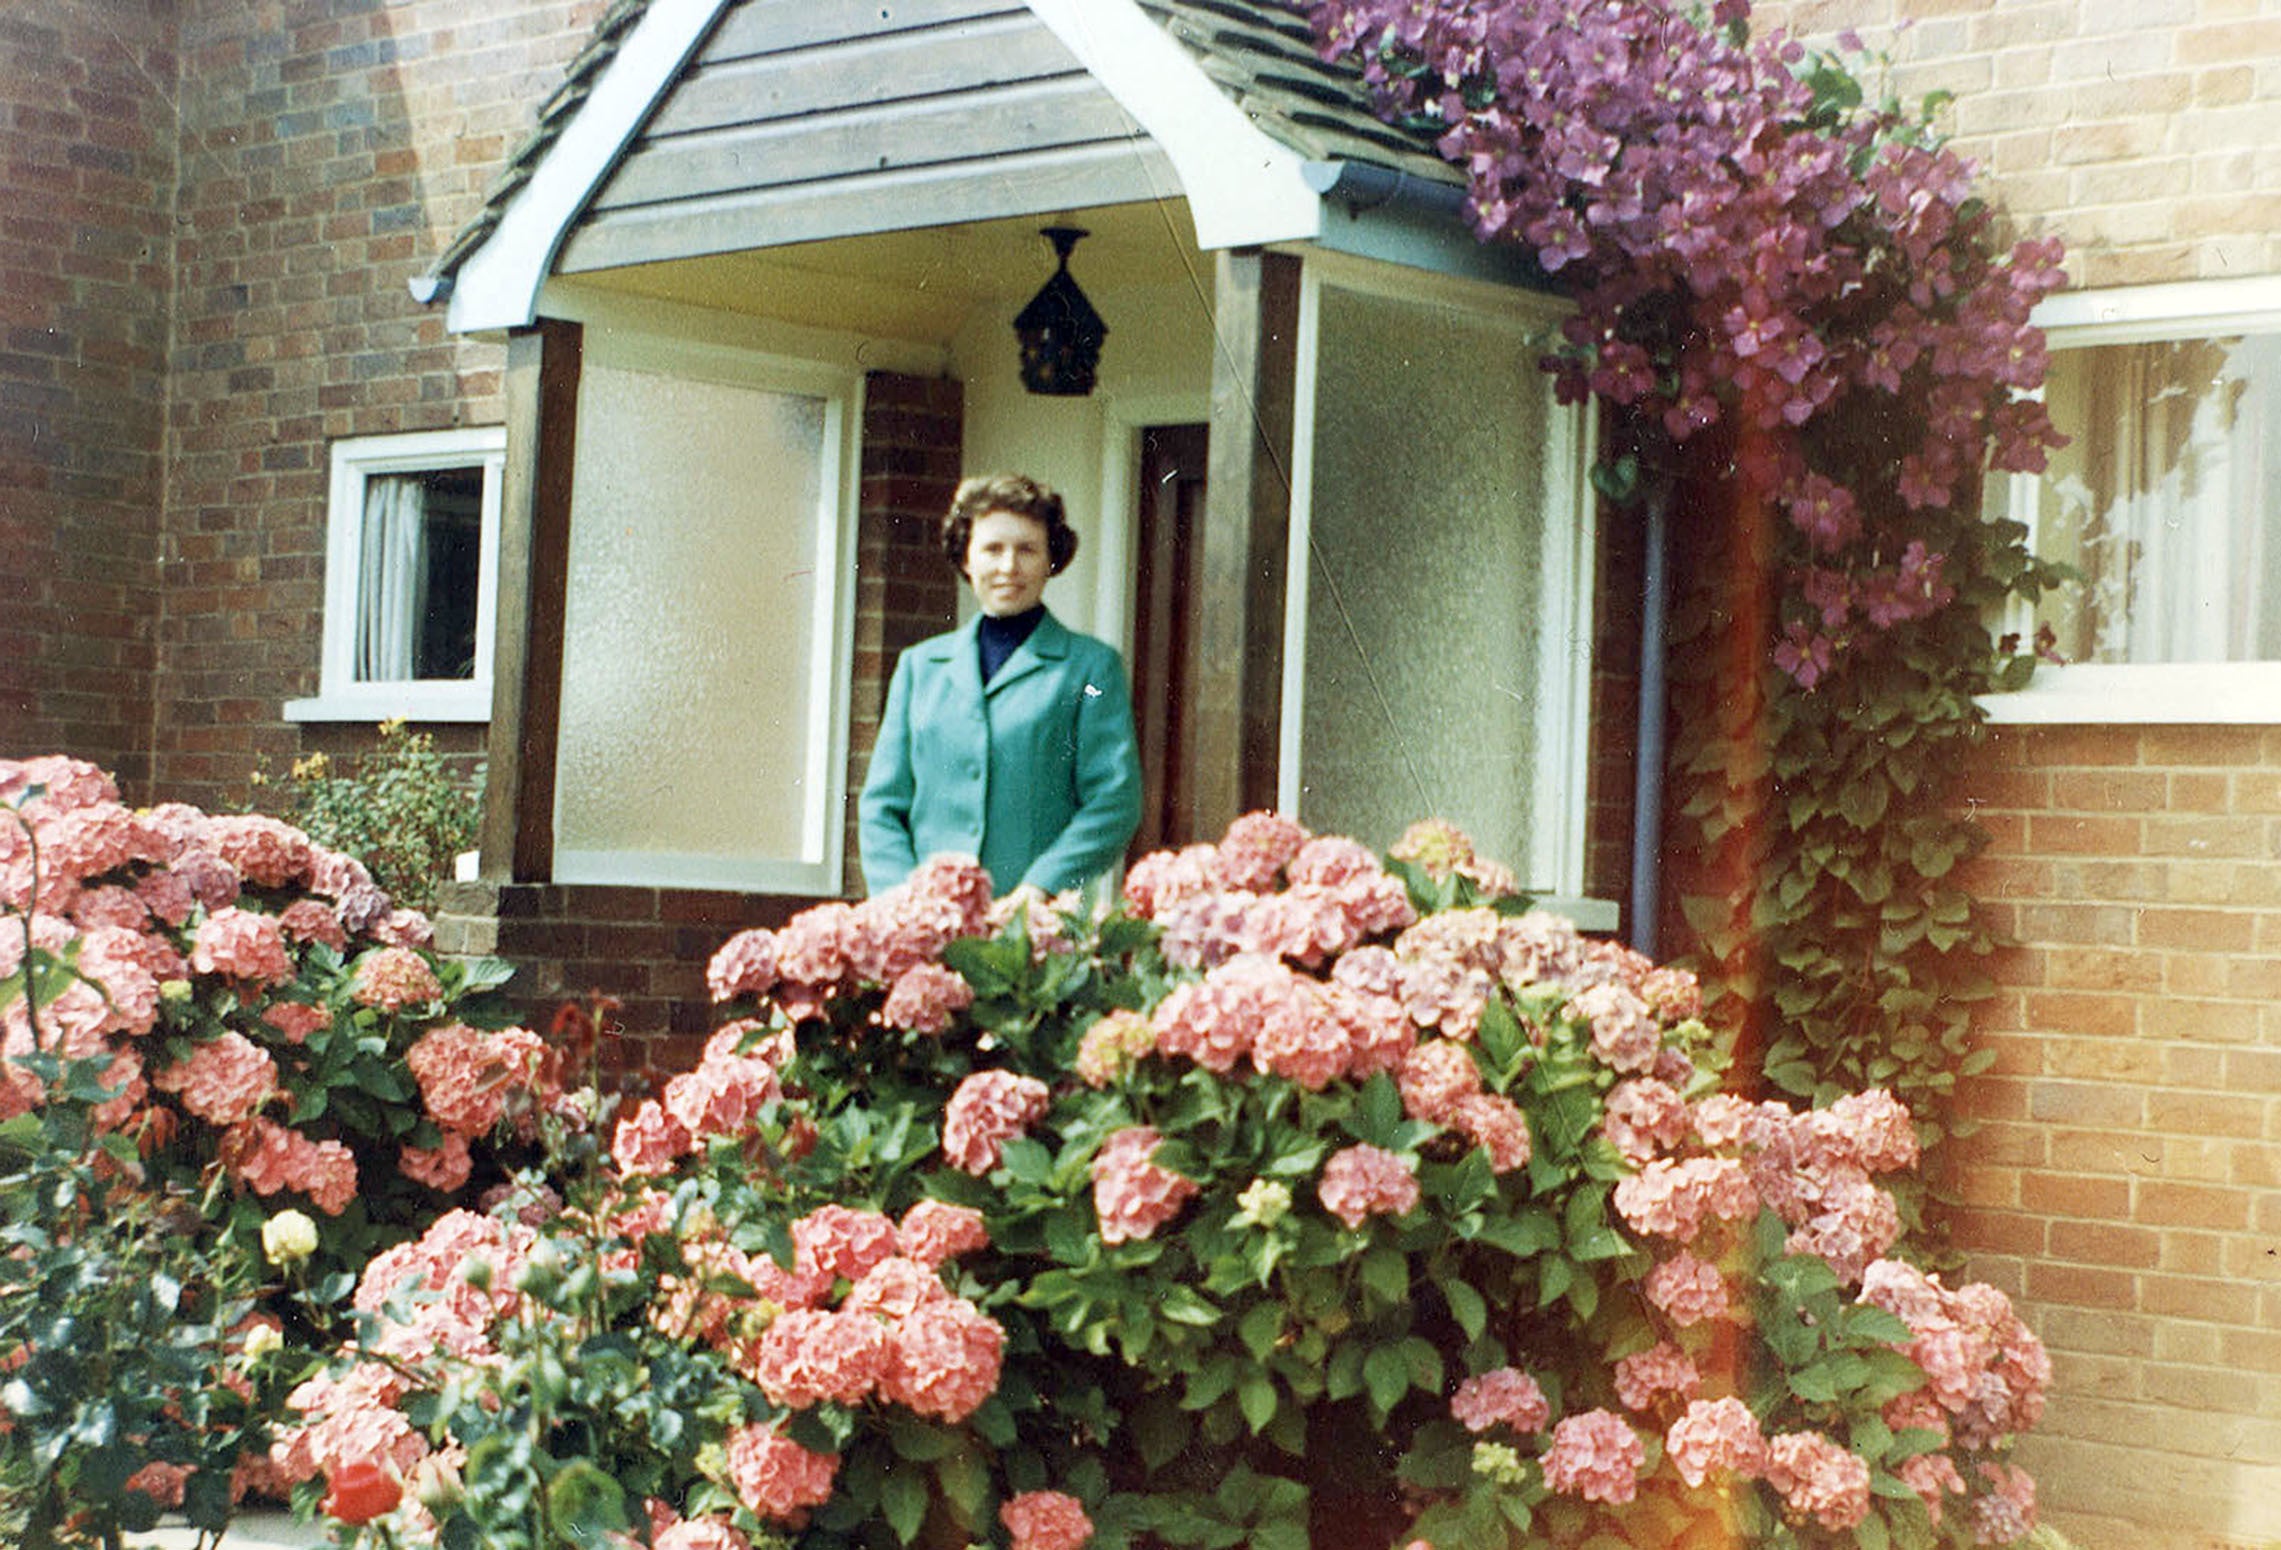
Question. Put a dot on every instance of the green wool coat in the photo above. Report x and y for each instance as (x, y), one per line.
(1036, 774)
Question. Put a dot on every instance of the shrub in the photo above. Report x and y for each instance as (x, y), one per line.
(211, 1021)
(1261, 1211)
(399, 808)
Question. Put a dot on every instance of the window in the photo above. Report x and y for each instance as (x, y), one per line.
(412, 535)
(705, 648)
(2166, 500)
(1438, 649)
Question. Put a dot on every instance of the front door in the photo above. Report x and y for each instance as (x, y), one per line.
(1169, 566)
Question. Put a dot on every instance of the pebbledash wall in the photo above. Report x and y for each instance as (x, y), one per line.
(2125, 1185)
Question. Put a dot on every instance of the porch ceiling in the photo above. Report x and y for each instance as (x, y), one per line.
(924, 284)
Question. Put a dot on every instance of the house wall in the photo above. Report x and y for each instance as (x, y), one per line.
(329, 149)
(2125, 1186)
(87, 184)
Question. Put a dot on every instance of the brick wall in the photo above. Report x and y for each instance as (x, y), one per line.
(86, 240)
(904, 592)
(2126, 1186)
(329, 149)
(2126, 1181)
(2141, 131)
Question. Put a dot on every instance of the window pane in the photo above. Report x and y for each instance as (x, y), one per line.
(420, 565)
(2166, 501)
(1425, 559)
(689, 668)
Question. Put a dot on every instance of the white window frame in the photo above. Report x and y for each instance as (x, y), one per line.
(1563, 605)
(341, 696)
(818, 870)
(2172, 693)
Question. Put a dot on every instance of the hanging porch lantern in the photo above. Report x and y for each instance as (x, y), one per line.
(1061, 334)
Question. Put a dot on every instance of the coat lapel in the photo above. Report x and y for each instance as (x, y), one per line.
(1048, 643)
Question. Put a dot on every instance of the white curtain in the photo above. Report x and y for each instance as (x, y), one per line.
(2179, 463)
(392, 581)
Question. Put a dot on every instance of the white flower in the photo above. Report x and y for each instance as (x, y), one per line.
(288, 1238)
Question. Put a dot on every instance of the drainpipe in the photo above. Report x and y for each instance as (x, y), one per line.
(1647, 774)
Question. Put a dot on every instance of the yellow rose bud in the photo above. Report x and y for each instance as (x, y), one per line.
(262, 1341)
(288, 1238)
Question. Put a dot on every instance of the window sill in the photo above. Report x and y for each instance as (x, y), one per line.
(2157, 694)
(413, 702)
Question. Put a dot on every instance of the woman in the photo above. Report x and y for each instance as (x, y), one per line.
(1011, 739)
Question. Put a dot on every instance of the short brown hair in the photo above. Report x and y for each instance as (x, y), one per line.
(1018, 495)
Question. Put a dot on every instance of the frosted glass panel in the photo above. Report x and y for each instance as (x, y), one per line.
(1424, 569)
(690, 673)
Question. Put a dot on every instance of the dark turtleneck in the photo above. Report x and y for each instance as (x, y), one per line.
(1001, 638)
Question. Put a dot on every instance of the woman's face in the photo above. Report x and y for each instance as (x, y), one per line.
(1007, 562)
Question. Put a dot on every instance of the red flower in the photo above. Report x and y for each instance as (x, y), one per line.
(362, 1491)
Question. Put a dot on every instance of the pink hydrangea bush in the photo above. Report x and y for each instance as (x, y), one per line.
(1170, 1198)
(274, 1031)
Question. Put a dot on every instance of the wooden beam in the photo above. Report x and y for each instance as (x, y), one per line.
(534, 571)
(1236, 661)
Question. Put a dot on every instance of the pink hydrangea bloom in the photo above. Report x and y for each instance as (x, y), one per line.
(1163, 878)
(723, 1096)
(895, 1288)
(1595, 1456)
(1687, 1290)
(1132, 1196)
(1379, 1035)
(1819, 1478)
(745, 966)
(947, 1360)
(1443, 992)
(311, 920)
(1644, 1116)
(1674, 1198)
(835, 1242)
(649, 1141)
(392, 978)
(1110, 1046)
(1362, 1181)
(701, 1534)
(222, 1081)
(268, 1157)
(1306, 925)
(1435, 1077)
(241, 945)
(814, 945)
(446, 1167)
(935, 1230)
(2005, 1513)
(462, 1080)
(1046, 1520)
(349, 1418)
(776, 1477)
(1625, 1034)
(1662, 1369)
(1933, 1477)
(268, 853)
(1332, 861)
(1716, 1434)
(1293, 1034)
(812, 1355)
(925, 997)
(1497, 1126)
(1502, 1396)
(1854, 1224)
(1255, 850)
(989, 1109)
(403, 928)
